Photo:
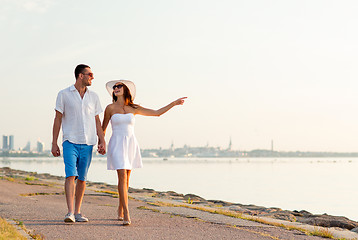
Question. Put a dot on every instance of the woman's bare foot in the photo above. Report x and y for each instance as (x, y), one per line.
(126, 217)
(120, 213)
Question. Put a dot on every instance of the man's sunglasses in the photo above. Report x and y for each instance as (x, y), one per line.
(119, 86)
(89, 74)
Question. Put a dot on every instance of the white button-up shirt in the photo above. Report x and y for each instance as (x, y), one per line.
(78, 115)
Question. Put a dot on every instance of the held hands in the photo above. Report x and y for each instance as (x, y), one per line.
(179, 101)
(102, 148)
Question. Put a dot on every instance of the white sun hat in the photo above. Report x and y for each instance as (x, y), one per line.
(129, 84)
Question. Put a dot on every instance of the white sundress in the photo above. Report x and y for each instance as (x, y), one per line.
(123, 149)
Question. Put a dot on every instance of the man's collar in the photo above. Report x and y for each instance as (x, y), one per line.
(73, 88)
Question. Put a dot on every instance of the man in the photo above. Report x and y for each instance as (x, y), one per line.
(77, 110)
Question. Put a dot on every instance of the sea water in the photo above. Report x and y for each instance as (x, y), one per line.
(318, 185)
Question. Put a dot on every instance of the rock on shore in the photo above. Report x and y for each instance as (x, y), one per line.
(323, 220)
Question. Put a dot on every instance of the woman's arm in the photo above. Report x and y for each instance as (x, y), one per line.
(106, 118)
(150, 112)
(100, 134)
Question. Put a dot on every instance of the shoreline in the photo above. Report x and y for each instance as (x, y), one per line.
(304, 217)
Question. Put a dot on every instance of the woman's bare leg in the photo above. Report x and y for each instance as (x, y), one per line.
(123, 180)
(128, 175)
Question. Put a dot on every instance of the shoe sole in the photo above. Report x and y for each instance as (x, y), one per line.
(68, 220)
(81, 220)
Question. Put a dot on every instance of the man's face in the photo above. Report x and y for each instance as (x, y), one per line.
(87, 77)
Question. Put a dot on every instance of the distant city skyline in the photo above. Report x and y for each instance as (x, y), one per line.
(8, 143)
(190, 152)
(40, 147)
(254, 70)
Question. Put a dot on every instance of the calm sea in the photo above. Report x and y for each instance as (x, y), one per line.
(318, 185)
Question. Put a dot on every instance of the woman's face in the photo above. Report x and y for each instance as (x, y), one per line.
(118, 89)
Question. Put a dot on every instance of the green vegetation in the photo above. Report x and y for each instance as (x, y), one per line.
(40, 193)
(10, 179)
(7, 231)
(322, 233)
(147, 208)
(31, 233)
(30, 178)
(39, 184)
(112, 193)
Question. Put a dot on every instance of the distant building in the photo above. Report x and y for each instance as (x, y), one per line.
(11, 142)
(40, 146)
(27, 147)
(230, 145)
(172, 147)
(5, 143)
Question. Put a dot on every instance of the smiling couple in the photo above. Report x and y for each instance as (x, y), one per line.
(77, 111)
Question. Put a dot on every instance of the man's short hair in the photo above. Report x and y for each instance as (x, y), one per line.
(79, 69)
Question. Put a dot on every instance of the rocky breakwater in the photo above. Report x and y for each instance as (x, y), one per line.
(323, 220)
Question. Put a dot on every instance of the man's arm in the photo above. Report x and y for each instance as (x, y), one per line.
(55, 150)
(100, 134)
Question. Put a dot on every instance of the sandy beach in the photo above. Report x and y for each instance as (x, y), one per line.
(37, 202)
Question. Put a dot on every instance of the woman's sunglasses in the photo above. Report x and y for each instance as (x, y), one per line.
(119, 86)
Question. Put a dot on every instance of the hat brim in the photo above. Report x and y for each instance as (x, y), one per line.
(129, 84)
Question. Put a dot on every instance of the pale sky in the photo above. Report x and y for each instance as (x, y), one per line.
(252, 70)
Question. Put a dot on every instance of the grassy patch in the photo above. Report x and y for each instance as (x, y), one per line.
(39, 184)
(30, 178)
(40, 193)
(322, 233)
(8, 231)
(107, 205)
(218, 205)
(112, 193)
(10, 179)
(147, 208)
(36, 236)
(32, 234)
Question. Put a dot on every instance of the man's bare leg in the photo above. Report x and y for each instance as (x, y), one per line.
(80, 190)
(70, 192)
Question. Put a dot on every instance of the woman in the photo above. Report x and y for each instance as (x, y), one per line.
(123, 150)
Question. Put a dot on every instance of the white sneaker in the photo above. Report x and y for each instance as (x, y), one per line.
(80, 218)
(69, 217)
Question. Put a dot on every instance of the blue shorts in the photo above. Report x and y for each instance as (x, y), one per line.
(77, 159)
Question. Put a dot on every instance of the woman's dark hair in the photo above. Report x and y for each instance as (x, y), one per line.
(127, 97)
(79, 69)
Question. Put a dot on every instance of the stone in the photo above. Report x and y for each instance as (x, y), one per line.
(325, 220)
(172, 193)
(242, 210)
(282, 215)
(194, 198)
(148, 190)
(220, 202)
